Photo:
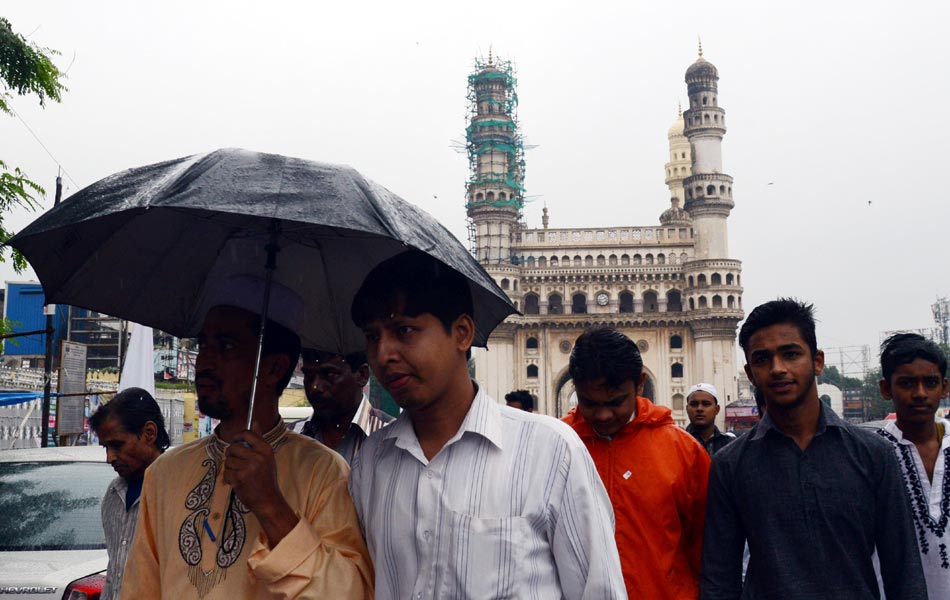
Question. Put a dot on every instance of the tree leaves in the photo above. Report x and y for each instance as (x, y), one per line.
(25, 68)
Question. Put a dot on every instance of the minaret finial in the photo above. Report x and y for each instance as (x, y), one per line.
(700, 46)
(490, 56)
(679, 108)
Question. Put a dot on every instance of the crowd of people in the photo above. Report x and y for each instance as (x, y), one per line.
(464, 497)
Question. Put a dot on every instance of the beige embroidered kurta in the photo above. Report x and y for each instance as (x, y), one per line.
(190, 546)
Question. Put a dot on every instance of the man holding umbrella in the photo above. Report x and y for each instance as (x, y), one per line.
(155, 245)
(461, 496)
(289, 529)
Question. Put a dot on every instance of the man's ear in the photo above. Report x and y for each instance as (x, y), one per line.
(819, 362)
(643, 379)
(362, 374)
(273, 368)
(149, 432)
(463, 332)
(885, 386)
(748, 373)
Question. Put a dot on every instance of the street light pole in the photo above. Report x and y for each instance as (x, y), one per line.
(50, 310)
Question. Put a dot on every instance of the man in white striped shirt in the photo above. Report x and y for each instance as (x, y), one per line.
(462, 497)
(132, 430)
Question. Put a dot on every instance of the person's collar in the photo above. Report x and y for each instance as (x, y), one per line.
(892, 428)
(695, 431)
(362, 416)
(826, 418)
(120, 486)
(632, 418)
(483, 418)
(275, 437)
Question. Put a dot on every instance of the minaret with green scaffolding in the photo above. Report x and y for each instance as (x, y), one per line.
(495, 190)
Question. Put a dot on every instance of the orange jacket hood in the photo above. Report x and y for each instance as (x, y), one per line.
(648, 415)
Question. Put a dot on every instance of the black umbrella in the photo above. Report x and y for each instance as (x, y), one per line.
(155, 244)
(151, 244)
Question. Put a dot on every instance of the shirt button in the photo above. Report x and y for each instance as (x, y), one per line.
(426, 534)
(430, 474)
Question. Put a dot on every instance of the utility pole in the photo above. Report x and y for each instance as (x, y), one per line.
(941, 310)
(50, 310)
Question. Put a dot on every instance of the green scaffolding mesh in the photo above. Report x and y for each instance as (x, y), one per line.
(484, 91)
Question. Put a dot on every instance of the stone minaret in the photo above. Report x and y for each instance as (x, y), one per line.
(708, 189)
(495, 194)
(713, 280)
(494, 199)
(678, 169)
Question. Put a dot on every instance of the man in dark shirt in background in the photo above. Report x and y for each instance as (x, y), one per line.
(520, 399)
(813, 495)
(702, 407)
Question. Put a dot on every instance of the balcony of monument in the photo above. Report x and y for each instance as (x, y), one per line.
(697, 314)
(707, 177)
(710, 290)
(545, 310)
(615, 319)
(605, 236)
(534, 273)
(712, 264)
(718, 129)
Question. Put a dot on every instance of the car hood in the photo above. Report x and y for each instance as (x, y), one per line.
(45, 570)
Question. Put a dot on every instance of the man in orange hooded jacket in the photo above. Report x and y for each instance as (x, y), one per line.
(654, 472)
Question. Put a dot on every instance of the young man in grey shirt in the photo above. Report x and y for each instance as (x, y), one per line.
(813, 495)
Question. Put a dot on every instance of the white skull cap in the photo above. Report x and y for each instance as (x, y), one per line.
(704, 387)
(247, 292)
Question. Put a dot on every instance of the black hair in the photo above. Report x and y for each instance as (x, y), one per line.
(279, 340)
(605, 353)
(783, 310)
(522, 396)
(759, 401)
(902, 348)
(133, 407)
(414, 283)
(354, 360)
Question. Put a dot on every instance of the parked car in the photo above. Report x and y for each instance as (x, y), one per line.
(294, 414)
(51, 539)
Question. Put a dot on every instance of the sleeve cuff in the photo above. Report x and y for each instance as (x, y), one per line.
(271, 564)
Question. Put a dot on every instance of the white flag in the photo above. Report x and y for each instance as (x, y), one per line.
(139, 368)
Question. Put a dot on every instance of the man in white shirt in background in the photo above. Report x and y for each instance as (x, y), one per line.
(132, 430)
(914, 373)
(461, 496)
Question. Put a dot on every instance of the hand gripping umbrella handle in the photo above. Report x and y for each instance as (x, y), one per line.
(272, 249)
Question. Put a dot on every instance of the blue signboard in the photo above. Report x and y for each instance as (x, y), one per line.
(23, 306)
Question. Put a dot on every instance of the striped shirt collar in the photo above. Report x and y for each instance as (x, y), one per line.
(120, 487)
(483, 419)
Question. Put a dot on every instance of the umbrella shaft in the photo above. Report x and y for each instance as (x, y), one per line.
(269, 268)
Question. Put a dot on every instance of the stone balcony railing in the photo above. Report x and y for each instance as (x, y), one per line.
(605, 270)
(613, 236)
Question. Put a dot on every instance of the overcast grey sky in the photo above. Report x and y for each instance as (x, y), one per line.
(837, 104)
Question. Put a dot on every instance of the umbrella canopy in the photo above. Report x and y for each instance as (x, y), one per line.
(156, 244)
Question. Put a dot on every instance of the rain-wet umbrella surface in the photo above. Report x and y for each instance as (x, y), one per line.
(154, 244)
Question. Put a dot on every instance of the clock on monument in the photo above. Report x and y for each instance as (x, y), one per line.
(602, 299)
